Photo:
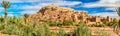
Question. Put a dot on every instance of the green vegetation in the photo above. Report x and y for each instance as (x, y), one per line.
(65, 23)
(97, 25)
(105, 24)
(17, 26)
(113, 23)
(62, 33)
(102, 33)
(117, 26)
(82, 30)
(26, 16)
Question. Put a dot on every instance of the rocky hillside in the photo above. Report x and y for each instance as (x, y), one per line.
(56, 13)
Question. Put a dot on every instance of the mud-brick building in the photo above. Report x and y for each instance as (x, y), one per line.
(56, 13)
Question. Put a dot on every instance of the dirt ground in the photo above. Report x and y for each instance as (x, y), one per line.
(104, 30)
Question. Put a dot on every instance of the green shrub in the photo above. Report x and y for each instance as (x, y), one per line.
(16, 26)
(1, 19)
(31, 30)
(10, 29)
(53, 34)
(113, 23)
(68, 23)
(82, 30)
(102, 33)
(97, 25)
(64, 23)
(1, 26)
(61, 33)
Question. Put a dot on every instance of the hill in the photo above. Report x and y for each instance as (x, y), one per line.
(56, 13)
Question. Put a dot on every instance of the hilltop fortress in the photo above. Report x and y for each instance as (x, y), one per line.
(56, 13)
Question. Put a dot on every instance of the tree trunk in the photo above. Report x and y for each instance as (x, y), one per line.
(119, 23)
(25, 20)
(5, 16)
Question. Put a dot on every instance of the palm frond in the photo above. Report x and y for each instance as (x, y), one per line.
(5, 4)
(118, 11)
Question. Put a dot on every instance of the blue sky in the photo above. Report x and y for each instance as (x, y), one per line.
(101, 8)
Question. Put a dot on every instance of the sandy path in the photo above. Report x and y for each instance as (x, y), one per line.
(5, 35)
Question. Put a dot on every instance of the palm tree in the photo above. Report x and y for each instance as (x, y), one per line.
(6, 5)
(116, 28)
(26, 16)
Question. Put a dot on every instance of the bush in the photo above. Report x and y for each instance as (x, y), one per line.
(68, 23)
(10, 29)
(97, 25)
(31, 30)
(64, 23)
(18, 27)
(53, 34)
(61, 33)
(82, 30)
(113, 23)
(102, 33)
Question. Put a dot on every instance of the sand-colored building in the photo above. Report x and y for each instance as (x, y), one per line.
(56, 13)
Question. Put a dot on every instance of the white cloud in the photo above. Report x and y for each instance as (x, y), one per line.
(1, 9)
(59, 3)
(27, 12)
(21, 13)
(81, 11)
(114, 9)
(35, 5)
(103, 3)
(67, 3)
(31, 9)
(10, 15)
(105, 14)
(21, 1)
